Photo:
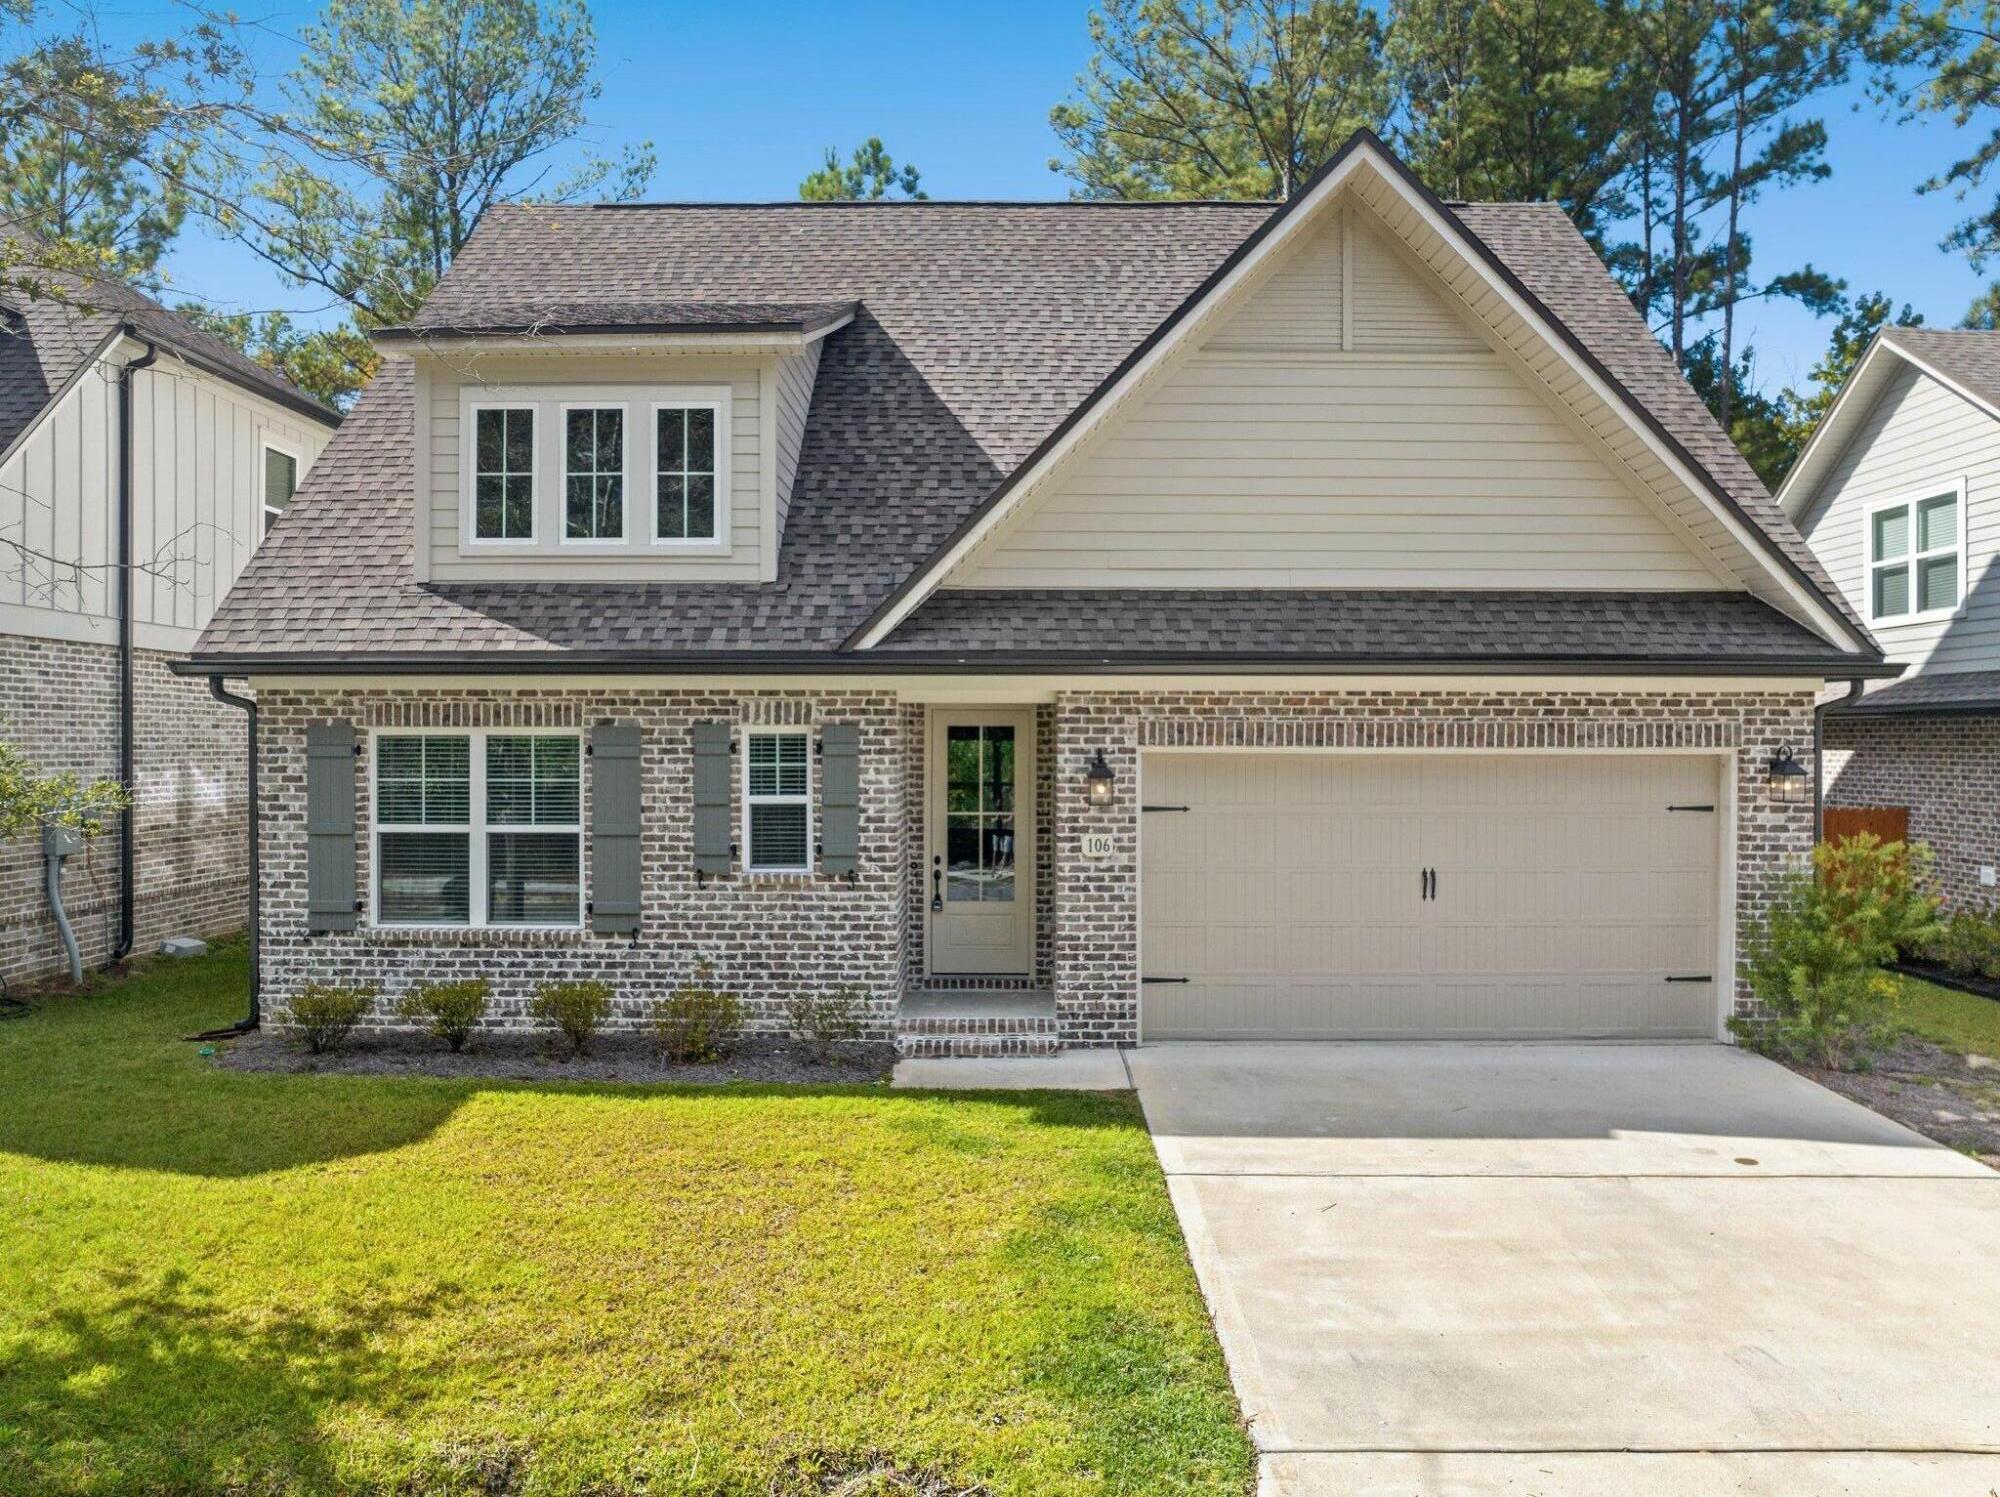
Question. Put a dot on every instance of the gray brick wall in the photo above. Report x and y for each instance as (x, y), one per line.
(768, 935)
(1945, 770)
(59, 704)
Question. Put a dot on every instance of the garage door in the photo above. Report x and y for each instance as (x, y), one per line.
(1297, 896)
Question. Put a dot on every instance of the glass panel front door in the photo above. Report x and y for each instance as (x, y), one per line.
(981, 821)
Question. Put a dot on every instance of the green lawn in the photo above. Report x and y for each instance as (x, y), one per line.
(1955, 1020)
(249, 1283)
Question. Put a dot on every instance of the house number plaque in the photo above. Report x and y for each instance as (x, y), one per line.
(1097, 845)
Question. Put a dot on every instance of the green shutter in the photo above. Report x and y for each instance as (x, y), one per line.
(614, 829)
(330, 901)
(713, 852)
(840, 798)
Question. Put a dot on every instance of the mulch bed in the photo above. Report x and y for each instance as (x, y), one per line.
(1954, 1099)
(533, 1057)
(1944, 977)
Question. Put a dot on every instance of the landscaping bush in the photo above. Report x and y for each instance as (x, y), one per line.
(450, 1010)
(577, 1009)
(326, 1014)
(695, 1023)
(824, 1019)
(1815, 959)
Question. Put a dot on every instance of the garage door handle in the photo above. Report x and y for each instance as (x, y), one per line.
(1427, 885)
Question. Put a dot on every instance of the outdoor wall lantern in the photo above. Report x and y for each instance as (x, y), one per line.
(1790, 780)
(1100, 780)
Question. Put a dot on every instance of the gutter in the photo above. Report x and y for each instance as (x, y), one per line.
(883, 662)
(255, 1017)
(1820, 710)
(127, 769)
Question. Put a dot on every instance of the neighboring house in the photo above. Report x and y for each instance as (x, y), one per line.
(1060, 623)
(1898, 493)
(218, 444)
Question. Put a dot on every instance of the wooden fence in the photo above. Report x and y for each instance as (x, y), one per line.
(1890, 823)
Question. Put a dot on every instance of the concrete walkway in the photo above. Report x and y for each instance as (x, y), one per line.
(1569, 1270)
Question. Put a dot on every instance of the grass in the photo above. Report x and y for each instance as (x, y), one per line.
(217, 1281)
(1958, 1021)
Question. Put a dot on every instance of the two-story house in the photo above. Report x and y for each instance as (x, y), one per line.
(1059, 623)
(1898, 493)
(141, 463)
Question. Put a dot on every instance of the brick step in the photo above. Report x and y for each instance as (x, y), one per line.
(995, 1024)
(976, 1046)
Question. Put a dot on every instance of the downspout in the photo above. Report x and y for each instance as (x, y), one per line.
(127, 768)
(251, 1020)
(1854, 690)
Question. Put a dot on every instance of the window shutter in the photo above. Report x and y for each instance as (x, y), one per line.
(330, 899)
(614, 829)
(840, 798)
(713, 852)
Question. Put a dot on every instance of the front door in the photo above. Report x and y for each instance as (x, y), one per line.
(981, 820)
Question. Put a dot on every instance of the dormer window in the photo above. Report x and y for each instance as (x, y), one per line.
(594, 473)
(587, 470)
(685, 477)
(503, 478)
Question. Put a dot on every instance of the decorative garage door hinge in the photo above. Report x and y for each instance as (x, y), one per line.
(1165, 979)
(1163, 808)
(1690, 808)
(1697, 977)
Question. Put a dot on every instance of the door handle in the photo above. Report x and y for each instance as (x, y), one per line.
(937, 883)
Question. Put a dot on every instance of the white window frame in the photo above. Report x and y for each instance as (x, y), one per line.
(269, 443)
(1909, 560)
(713, 398)
(805, 799)
(468, 486)
(601, 542)
(477, 828)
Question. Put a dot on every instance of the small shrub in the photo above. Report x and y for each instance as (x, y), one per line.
(824, 1019)
(326, 1014)
(577, 1009)
(1815, 959)
(695, 1023)
(450, 1010)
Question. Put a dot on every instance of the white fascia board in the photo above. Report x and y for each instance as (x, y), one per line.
(403, 346)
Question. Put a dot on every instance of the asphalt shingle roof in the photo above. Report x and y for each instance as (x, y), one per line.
(1930, 692)
(979, 328)
(47, 340)
(1969, 357)
(1359, 624)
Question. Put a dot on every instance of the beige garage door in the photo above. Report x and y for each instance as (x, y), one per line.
(1429, 896)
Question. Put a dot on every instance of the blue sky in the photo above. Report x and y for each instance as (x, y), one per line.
(740, 101)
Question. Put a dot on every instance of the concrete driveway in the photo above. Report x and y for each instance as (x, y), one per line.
(1568, 1269)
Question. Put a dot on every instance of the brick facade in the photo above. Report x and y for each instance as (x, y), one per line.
(1945, 770)
(59, 703)
(770, 936)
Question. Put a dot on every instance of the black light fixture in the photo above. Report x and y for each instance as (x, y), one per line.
(1100, 780)
(1790, 780)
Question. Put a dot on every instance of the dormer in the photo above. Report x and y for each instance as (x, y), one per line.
(652, 443)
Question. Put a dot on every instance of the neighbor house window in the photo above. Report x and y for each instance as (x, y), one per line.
(281, 481)
(777, 802)
(503, 474)
(594, 473)
(478, 829)
(685, 489)
(1915, 557)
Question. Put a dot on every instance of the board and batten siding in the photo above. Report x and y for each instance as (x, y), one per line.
(1918, 438)
(785, 381)
(198, 503)
(1346, 427)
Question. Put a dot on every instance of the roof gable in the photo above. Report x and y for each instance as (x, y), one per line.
(1739, 516)
(1966, 362)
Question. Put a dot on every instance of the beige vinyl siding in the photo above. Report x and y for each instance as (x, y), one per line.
(493, 376)
(796, 373)
(198, 510)
(1918, 438)
(1418, 459)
